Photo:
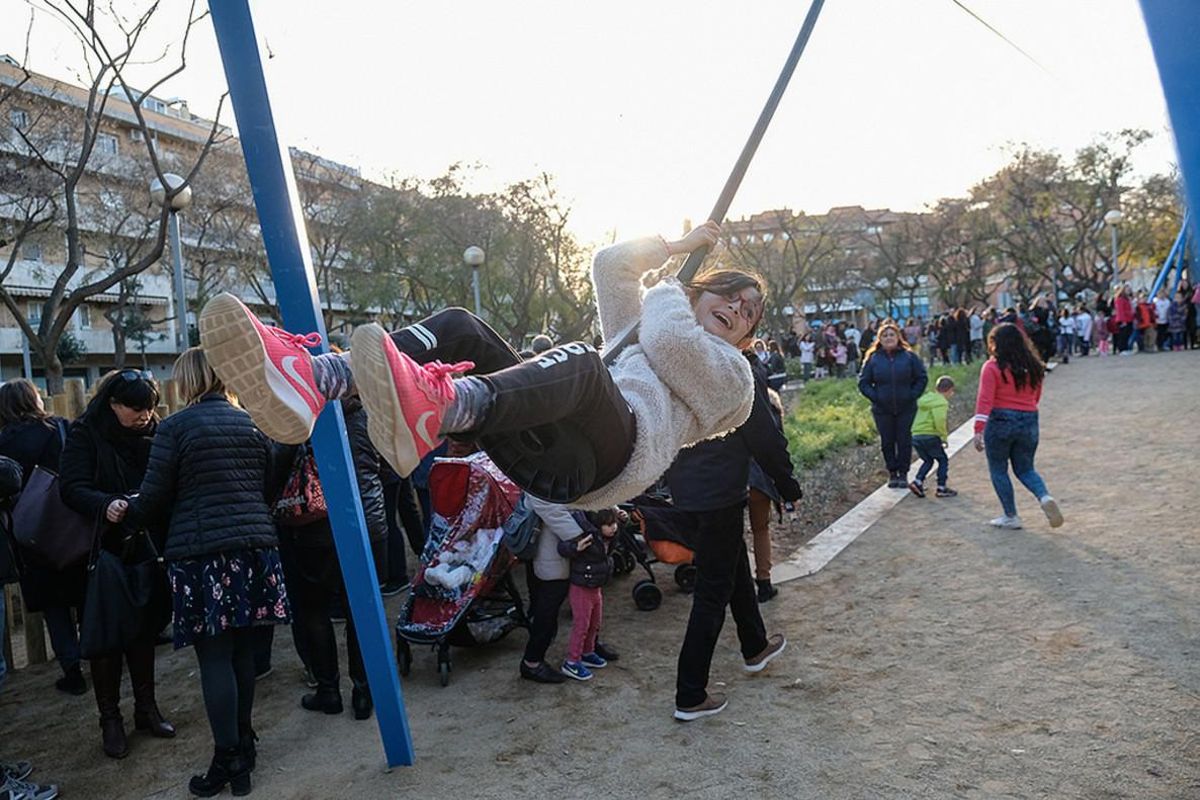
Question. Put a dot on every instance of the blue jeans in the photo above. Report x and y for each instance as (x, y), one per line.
(930, 449)
(64, 636)
(1012, 436)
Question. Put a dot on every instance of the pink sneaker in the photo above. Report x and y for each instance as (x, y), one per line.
(405, 401)
(268, 368)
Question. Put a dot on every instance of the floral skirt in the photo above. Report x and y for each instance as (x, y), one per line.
(236, 589)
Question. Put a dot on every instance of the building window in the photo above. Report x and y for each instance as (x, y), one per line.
(19, 118)
(33, 312)
(31, 251)
(106, 144)
(83, 318)
(768, 237)
(154, 104)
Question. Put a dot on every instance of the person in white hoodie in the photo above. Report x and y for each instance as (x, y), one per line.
(684, 381)
(1083, 330)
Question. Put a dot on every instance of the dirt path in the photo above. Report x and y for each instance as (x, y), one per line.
(933, 658)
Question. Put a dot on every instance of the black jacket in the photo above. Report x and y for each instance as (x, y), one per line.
(715, 473)
(101, 462)
(368, 469)
(208, 475)
(591, 567)
(893, 382)
(33, 443)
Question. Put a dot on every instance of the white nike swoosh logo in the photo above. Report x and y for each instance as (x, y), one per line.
(424, 434)
(289, 366)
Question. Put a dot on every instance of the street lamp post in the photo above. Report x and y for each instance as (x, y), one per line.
(179, 201)
(1113, 219)
(473, 257)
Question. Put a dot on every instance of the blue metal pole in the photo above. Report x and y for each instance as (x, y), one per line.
(1174, 259)
(286, 243)
(1174, 28)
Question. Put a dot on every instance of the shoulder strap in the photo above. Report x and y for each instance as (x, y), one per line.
(61, 424)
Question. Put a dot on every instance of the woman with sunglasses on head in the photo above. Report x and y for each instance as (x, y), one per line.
(104, 460)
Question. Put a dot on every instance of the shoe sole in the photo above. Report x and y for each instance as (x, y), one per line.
(688, 716)
(236, 353)
(1007, 527)
(916, 490)
(385, 415)
(1053, 513)
(760, 666)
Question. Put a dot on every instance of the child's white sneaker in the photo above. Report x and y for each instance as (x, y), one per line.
(1012, 523)
(1051, 510)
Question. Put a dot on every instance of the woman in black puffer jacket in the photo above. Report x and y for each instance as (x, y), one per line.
(314, 574)
(208, 473)
(104, 460)
(34, 438)
(893, 378)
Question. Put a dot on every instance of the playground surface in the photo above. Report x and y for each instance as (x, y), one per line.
(935, 657)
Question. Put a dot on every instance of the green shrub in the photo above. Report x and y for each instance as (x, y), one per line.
(830, 414)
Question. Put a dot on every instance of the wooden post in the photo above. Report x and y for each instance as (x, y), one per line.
(9, 594)
(76, 397)
(35, 638)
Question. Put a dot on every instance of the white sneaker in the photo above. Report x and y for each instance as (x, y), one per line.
(1051, 510)
(1011, 523)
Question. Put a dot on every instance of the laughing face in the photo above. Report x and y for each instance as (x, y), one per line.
(732, 317)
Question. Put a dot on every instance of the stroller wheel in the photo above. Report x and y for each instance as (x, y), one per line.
(444, 672)
(685, 577)
(404, 657)
(646, 595)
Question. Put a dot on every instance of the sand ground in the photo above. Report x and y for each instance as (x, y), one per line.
(935, 657)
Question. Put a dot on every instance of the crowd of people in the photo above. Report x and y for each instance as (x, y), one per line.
(221, 582)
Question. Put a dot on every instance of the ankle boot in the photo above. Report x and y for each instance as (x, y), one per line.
(326, 698)
(146, 716)
(246, 743)
(106, 682)
(360, 701)
(228, 768)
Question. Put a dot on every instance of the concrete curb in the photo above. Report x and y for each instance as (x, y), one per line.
(823, 547)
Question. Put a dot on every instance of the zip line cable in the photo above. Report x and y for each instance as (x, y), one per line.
(1008, 41)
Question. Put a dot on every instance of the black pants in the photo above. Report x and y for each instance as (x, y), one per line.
(314, 578)
(895, 437)
(1124, 331)
(723, 579)
(930, 449)
(546, 598)
(404, 522)
(565, 384)
(227, 681)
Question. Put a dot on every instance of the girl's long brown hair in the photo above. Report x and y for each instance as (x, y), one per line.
(886, 325)
(1015, 354)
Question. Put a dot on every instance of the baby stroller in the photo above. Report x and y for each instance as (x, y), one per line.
(654, 533)
(463, 594)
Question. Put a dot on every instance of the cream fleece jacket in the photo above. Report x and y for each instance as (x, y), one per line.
(683, 383)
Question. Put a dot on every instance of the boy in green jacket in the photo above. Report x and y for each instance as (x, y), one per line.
(929, 436)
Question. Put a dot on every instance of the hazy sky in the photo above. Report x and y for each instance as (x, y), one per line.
(640, 108)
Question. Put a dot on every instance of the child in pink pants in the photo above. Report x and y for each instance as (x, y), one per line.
(590, 570)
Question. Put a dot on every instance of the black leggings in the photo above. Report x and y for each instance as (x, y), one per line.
(400, 505)
(566, 384)
(227, 681)
(546, 600)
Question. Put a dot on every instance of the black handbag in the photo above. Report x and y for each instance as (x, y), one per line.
(124, 601)
(50, 533)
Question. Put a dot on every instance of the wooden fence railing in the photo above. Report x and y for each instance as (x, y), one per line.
(69, 405)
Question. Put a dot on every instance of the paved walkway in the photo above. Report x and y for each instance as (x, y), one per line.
(934, 657)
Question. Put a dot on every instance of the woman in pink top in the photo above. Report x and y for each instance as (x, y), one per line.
(1006, 421)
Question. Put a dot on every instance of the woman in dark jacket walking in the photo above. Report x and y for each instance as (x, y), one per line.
(34, 438)
(105, 459)
(892, 378)
(708, 486)
(207, 477)
(314, 575)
